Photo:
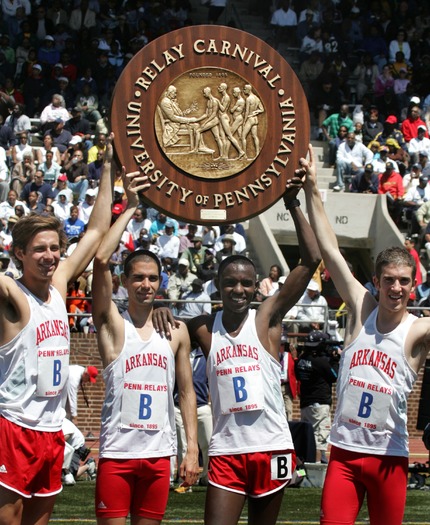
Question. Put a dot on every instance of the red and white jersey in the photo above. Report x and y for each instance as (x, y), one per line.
(245, 387)
(138, 418)
(34, 366)
(374, 383)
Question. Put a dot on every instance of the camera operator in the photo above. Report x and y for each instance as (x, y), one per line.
(316, 369)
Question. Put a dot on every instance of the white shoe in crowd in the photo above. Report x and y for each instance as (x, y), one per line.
(68, 479)
(91, 468)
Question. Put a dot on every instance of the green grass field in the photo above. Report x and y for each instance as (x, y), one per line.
(300, 506)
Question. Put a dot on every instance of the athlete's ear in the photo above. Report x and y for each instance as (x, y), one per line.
(376, 282)
(18, 253)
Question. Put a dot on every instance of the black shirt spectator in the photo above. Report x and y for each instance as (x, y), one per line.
(366, 182)
(78, 125)
(60, 136)
(371, 126)
(95, 169)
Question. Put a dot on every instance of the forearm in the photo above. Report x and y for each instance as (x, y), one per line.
(310, 254)
(319, 221)
(113, 237)
(188, 407)
(101, 215)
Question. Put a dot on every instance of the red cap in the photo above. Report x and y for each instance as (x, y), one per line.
(93, 373)
(117, 209)
(391, 119)
(62, 177)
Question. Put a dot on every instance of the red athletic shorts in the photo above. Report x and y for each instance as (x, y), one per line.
(351, 476)
(138, 486)
(30, 460)
(255, 474)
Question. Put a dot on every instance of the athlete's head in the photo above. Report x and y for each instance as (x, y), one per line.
(396, 256)
(236, 283)
(29, 226)
(235, 259)
(140, 255)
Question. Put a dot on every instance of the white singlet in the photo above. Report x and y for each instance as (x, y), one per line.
(245, 387)
(34, 366)
(138, 417)
(374, 383)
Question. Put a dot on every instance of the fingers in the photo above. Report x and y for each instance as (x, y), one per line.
(189, 472)
(311, 155)
(164, 321)
(135, 181)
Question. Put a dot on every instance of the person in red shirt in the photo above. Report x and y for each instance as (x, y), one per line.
(410, 246)
(391, 184)
(411, 123)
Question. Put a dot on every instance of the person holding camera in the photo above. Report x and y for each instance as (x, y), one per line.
(317, 369)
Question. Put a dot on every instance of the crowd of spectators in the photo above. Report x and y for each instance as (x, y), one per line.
(364, 66)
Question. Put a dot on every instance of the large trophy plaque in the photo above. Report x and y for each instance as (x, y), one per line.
(215, 118)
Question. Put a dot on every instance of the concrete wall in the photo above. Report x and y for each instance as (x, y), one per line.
(359, 221)
(84, 352)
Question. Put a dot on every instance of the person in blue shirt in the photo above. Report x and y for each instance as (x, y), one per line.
(73, 226)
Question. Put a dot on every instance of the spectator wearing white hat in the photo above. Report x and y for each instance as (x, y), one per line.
(312, 308)
(413, 199)
(168, 242)
(34, 90)
(229, 244)
(61, 206)
(47, 54)
(86, 207)
(419, 144)
(180, 281)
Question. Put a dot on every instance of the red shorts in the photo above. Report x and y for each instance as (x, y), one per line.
(254, 474)
(138, 486)
(351, 476)
(30, 460)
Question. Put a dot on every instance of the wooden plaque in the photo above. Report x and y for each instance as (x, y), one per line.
(216, 118)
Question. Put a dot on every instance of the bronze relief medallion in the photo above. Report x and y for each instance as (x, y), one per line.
(216, 118)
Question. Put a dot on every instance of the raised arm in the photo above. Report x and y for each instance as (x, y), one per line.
(351, 291)
(98, 226)
(310, 256)
(273, 309)
(105, 312)
(189, 469)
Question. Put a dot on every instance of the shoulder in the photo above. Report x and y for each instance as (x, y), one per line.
(179, 336)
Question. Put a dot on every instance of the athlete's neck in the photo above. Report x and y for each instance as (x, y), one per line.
(40, 289)
(388, 320)
(233, 323)
(142, 316)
